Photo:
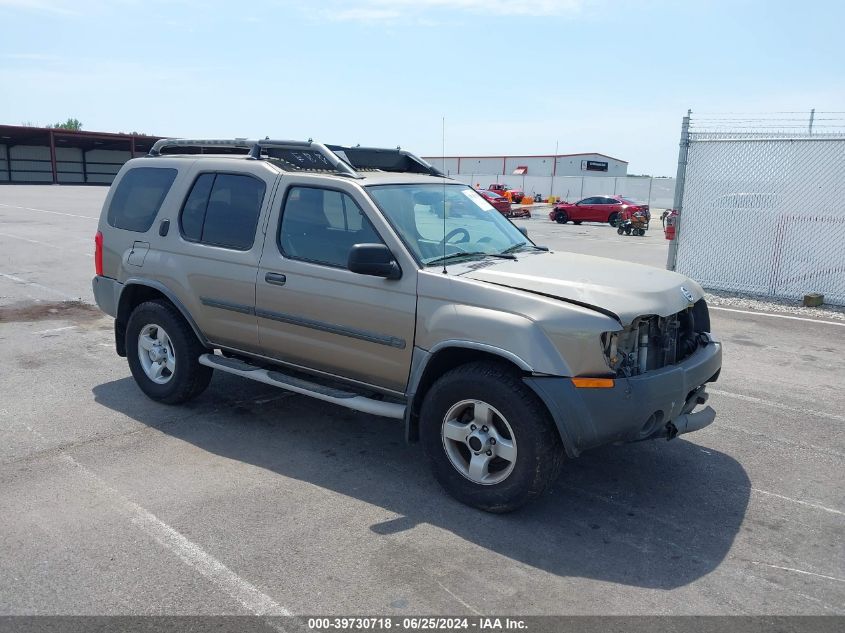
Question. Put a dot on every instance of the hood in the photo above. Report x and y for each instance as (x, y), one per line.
(606, 285)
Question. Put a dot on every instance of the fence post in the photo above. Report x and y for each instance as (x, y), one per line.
(650, 183)
(680, 178)
(53, 158)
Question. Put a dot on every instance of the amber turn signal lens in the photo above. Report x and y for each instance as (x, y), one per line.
(593, 383)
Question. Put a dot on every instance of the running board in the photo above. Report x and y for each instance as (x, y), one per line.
(305, 387)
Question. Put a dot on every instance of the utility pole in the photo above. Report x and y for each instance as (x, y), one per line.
(812, 116)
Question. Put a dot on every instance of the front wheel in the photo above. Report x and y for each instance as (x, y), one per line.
(613, 219)
(162, 351)
(490, 441)
(561, 217)
(620, 230)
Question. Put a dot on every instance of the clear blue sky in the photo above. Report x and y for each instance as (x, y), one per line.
(613, 76)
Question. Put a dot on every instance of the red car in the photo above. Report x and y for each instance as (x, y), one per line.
(608, 209)
(503, 206)
(516, 194)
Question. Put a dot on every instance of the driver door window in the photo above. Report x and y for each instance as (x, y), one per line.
(322, 225)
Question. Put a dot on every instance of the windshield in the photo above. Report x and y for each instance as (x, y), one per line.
(472, 226)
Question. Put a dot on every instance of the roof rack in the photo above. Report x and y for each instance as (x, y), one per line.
(159, 145)
(312, 156)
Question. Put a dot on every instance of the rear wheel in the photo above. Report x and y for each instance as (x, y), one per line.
(561, 217)
(613, 219)
(163, 353)
(490, 442)
(576, 222)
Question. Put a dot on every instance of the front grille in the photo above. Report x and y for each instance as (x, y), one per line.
(653, 342)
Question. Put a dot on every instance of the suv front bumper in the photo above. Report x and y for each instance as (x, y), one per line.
(658, 403)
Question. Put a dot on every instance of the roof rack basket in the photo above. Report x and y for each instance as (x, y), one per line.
(312, 156)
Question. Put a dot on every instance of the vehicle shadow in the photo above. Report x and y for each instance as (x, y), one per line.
(655, 514)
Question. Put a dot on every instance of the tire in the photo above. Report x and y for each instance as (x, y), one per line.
(173, 356)
(525, 431)
(627, 230)
(613, 219)
(561, 217)
(620, 230)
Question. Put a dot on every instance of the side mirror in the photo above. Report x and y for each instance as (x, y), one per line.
(523, 230)
(373, 259)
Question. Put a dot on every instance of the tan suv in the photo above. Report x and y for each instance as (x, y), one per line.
(366, 278)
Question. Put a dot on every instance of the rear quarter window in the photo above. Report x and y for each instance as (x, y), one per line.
(138, 198)
(222, 209)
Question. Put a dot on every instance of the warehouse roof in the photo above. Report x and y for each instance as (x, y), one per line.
(27, 135)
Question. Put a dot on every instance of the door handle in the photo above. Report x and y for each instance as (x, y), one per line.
(277, 279)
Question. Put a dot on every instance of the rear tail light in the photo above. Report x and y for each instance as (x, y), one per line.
(98, 253)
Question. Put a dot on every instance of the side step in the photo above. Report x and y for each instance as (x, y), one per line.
(305, 387)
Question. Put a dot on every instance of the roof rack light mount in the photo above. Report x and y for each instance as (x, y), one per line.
(394, 160)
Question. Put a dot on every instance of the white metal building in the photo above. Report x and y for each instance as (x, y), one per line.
(590, 164)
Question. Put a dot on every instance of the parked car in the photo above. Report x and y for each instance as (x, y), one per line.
(504, 206)
(501, 204)
(516, 194)
(322, 270)
(608, 209)
(757, 201)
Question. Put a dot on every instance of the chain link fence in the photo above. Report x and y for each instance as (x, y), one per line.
(762, 206)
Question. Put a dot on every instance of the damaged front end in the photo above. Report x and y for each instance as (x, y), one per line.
(652, 342)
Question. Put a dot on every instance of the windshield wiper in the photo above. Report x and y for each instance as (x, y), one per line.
(515, 247)
(440, 260)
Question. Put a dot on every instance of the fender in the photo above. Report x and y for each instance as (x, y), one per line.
(420, 362)
(122, 316)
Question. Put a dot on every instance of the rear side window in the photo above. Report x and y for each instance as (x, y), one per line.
(138, 198)
(222, 210)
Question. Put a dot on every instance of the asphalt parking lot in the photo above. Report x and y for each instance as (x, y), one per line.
(252, 500)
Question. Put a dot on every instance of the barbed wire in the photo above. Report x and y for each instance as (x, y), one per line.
(766, 113)
(812, 122)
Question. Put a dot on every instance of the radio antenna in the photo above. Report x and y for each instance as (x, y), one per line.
(443, 148)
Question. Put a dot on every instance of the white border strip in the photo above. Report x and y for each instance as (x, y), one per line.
(778, 316)
(776, 405)
(70, 215)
